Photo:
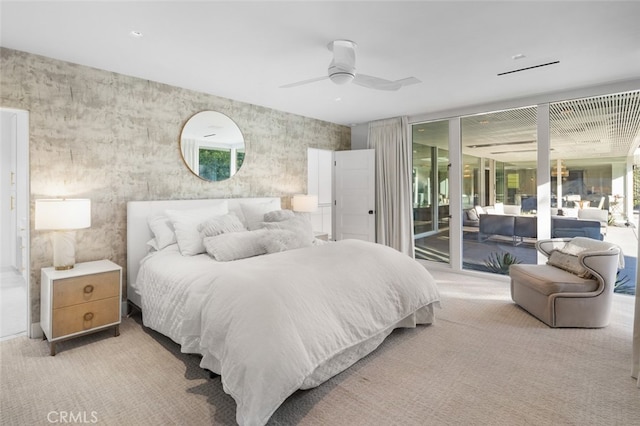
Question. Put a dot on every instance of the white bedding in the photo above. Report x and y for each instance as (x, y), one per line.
(272, 324)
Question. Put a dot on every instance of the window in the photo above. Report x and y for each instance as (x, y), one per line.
(218, 164)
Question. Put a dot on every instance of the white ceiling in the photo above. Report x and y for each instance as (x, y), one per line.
(246, 50)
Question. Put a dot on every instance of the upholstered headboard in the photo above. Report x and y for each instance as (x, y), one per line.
(139, 233)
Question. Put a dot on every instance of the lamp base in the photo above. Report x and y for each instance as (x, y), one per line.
(63, 268)
(64, 250)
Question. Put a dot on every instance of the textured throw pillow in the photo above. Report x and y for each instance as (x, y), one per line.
(300, 226)
(568, 262)
(279, 215)
(221, 225)
(282, 240)
(185, 223)
(236, 245)
(479, 210)
(162, 230)
(254, 212)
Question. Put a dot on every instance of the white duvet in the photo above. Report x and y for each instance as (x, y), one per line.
(272, 324)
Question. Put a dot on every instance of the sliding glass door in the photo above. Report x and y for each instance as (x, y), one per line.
(499, 189)
(505, 194)
(431, 191)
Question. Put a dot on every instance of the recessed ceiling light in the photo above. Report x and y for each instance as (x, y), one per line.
(517, 56)
(135, 33)
(338, 99)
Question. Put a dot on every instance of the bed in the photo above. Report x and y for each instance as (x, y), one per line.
(289, 318)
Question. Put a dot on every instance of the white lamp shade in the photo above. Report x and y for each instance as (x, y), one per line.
(63, 214)
(305, 203)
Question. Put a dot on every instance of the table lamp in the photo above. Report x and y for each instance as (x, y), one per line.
(305, 203)
(63, 216)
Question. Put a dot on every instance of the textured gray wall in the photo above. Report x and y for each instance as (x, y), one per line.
(113, 138)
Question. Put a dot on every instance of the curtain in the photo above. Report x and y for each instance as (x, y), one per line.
(394, 208)
(191, 153)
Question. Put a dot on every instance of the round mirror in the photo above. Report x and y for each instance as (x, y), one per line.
(212, 146)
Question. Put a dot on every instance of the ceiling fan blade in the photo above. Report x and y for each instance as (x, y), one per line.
(382, 84)
(303, 82)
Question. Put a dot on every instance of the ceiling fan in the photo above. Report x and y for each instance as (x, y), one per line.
(342, 70)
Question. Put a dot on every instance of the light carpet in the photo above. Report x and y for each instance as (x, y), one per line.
(484, 362)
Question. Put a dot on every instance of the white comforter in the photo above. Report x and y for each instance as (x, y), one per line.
(272, 324)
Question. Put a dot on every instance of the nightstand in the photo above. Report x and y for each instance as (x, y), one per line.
(79, 301)
(321, 236)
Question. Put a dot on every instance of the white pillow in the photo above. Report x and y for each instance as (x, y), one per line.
(278, 215)
(162, 230)
(299, 225)
(185, 223)
(221, 225)
(254, 212)
(283, 239)
(236, 245)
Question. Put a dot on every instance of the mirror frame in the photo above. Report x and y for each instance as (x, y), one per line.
(222, 132)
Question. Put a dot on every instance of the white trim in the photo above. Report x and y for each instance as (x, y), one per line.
(543, 190)
(455, 194)
(584, 92)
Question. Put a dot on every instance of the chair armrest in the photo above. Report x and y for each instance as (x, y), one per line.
(602, 264)
(547, 246)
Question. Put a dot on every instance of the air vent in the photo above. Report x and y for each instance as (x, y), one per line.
(529, 68)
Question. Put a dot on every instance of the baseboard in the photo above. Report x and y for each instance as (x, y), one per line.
(36, 331)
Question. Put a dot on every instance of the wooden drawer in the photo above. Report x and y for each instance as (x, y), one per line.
(71, 291)
(85, 316)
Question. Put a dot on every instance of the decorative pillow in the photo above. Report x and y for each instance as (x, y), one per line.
(299, 225)
(568, 262)
(162, 230)
(185, 223)
(236, 245)
(498, 208)
(279, 215)
(153, 245)
(479, 210)
(254, 212)
(572, 249)
(472, 215)
(283, 239)
(221, 225)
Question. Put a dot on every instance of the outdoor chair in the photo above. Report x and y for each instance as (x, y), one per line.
(574, 288)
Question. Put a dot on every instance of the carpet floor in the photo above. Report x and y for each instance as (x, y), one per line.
(484, 362)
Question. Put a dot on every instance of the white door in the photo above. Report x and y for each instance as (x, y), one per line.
(354, 189)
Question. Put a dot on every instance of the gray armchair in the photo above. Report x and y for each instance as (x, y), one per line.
(560, 298)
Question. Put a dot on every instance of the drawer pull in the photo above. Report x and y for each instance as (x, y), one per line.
(88, 316)
(88, 289)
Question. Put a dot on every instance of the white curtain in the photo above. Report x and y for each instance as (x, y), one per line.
(191, 153)
(394, 208)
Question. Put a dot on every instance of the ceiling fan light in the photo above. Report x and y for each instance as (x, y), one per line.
(342, 77)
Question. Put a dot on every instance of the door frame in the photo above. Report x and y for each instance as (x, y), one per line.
(23, 200)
